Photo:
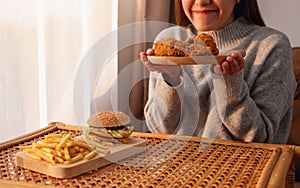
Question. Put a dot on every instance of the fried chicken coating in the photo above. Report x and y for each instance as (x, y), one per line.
(169, 47)
(203, 44)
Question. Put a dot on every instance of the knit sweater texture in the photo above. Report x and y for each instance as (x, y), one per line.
(253, 105)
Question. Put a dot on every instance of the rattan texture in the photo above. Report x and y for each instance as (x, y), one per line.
(165, 163)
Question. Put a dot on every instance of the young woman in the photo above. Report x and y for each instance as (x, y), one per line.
(246, 97)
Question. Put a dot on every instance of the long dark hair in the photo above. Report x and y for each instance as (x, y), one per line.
(246, 8)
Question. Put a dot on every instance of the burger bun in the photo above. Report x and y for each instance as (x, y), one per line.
(109, 119)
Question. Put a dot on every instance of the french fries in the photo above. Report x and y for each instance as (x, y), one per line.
(62, 149)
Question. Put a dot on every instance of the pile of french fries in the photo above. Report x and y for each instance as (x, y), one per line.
(63, 149)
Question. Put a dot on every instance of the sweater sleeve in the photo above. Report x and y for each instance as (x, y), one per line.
(256, 112)
(163, 108)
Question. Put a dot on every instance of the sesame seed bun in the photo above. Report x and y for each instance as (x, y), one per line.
(109, 119)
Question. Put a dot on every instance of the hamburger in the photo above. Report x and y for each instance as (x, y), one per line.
(114, 124)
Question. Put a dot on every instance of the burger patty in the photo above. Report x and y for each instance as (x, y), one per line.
(115, 128)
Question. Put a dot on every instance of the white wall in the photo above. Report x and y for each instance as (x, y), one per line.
(283, 15)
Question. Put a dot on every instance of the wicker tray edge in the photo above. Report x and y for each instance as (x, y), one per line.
(28, 136)
(59, 125)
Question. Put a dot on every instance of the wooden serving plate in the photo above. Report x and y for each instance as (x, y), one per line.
(119, 152)
(193, 60)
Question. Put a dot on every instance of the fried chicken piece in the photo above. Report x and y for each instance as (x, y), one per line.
(169, 47)
(203, 44)
(209, 41)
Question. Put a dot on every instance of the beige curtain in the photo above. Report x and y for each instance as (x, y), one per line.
(43, 73)
(139, 22)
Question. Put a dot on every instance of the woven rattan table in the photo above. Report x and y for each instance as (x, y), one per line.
(169, 161)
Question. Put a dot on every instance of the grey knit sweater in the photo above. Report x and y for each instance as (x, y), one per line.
(254, 105)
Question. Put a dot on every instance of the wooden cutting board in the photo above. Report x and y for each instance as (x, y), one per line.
(119, 152)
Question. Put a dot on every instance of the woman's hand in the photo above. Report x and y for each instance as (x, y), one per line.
(171, 72)
(232, 64)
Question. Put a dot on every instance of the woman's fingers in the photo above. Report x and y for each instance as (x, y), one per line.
(226, 69)
(239, 57)
(232, 64)
(143, 56)
(150, 51)
(149, 65)
(144, 59)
